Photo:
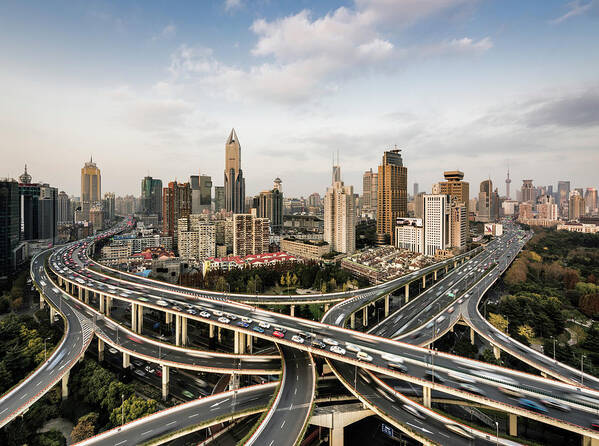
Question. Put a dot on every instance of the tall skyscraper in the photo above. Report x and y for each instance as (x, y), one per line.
(201, 193)
(219, 198)
(436, 223)
(340, 216)
(563, 195)
(91, 187)
(109, 205)
(488, 202)
(415, 189)
(270, 205)
(48, 213)
(507, 185)
(369, 191)
(151, 196)
(9, 223)
(176, 204)
(575, 205)
(65, 210)
(278, 184)
(457, 189)
(234, 181)
(458, 223)
(590, 199)
(392, 195)
(528, 191)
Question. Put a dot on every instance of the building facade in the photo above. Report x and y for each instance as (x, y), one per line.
(392, 195)
(91, 187)
(251, 235)
(9, 224)
(458, 189)
(176, 204)
(270, 205)
(151, 196)
(234, 181)
(409, 234)
(196, 238)
(436, 223)
(307, 249)
(528, 193)
(576, 206)
(370, 182)
(340, 217)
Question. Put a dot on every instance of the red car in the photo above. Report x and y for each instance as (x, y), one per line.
(278, 334)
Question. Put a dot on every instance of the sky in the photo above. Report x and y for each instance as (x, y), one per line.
(154, 88)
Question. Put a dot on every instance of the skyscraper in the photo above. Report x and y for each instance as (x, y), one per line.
(575, 205)
(109, 206)
(65, 211)
(457, 189)
(415, 189)
(176, 204)
(48, 213)
(251, 235)
(196, 238)
(590, 198)
(528, 191)
(436, 223)
(563, 195)
(201, 193)
(234, 181)
(392, 195)
(151, 196)
(507, 184)
(91, 187)
(488, 202)
(9, 223)
(270, 205)
(369, 191)
(340, 216)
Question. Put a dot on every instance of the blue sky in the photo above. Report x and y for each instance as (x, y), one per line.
(155, 87)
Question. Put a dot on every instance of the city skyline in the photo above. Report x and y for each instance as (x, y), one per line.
(174, 89)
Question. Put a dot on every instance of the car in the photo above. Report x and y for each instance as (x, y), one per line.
(112, 350)
(149, 369)
(338, 350)
(258, 329)
(278, 334)
(281, 329)
(224, 320)
(177, 308)
(495, 377)
(205, 314)
(264, 325)
(247, 320)
(319, 344)
(231, 316)
(556, 404)
(413, 411)
(363, 356)
(192, 311)
(140, 372)
(434, 376)
(187, 394)
(352, 347)
(397, 366)
(305, 335)
(134, 339)
(440, 319)
(162, 303)
(460, 301)
(459, 430)
(532, 405)
(471, 388)
(330, 341)
(143, 299)
(462, 377)
(243, 324)
(392, 358)
(217, 312)
(451, 310)
(298, 339)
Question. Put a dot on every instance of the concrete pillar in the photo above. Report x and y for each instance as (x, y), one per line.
(249, 345)
(211, 330)
(424, 281)
(177, 329)
(435, 275)
(101, 303)
(80, 293)
(326, 307)
(140, 318)
(86, 295)
(352, 321)
(239, 343)
(471, 336)
(336, 436)
(292, 311)
(543, 374)
(165, 381)
(446, 269)
(126, 360)
(589, 441)
(426, 397)
(52, 314)
(108, 305)
(65, 385)
(386, 305)
(455, 264)
(407, 292)
(219, 337)
(168, 318)
(234, 382)
(134, 318)
(513, 425)
(365, 316)
(100, 350)
(59, 281)
(496, 352)
(183, 330)
(42, 302)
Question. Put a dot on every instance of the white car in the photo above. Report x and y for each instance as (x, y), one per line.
(217, 312)
(363, 356)
(247, 320)
(392, 358)
(162, 303)
(338, 350)
(352, 347)
(205, 314)
(297, 339)
(224, 320)
(265, 325)
(330, 341)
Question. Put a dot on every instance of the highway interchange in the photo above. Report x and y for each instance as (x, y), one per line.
(466, 282)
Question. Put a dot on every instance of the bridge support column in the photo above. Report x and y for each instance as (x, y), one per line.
(386, 305)
(65, 385)
(336, 437)
(165, 381)
(100, 350)
(168, 318)
(42, 302)
(496, 352)
(424, 281)
(239, 343)
(426, 397)
(589, 441)
(471, 335)
(352, 321)
(134, 318)
(80, 293)
(435, 275)
(59, 281)
(326, 307)
(101, 303)
(513, 431)
(86, 295)
(446, 269)
(365, 316)
(177, 329)
(292, 311)
(211, 330)
(234, 382)
(407, 292)
(455, 264)
(108, 305)
(183, 330)
(126, 360)
(52, 314)
(249, 345)
(219, 336)
(140, 317)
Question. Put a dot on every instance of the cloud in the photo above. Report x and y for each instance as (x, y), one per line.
(231, 5)
(580, 110)
(577, 8)
(166, 33)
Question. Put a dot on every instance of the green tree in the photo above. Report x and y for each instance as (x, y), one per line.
(527, 332)
(498, 321)
(133, 408)
(85, 427)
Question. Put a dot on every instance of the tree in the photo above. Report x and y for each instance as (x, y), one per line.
(85, 427)
(133, 408)
(221, 284)
(498, 321)
(527, 332)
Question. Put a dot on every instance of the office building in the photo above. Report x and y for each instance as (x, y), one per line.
(109, 205)
(65, 210)
(458, 224)
(234, 181)
(91, 187)
(340, 216)
(196, 238)
(458, 189)
(270, 205)
(176, 204)
(219, 198)
(151, 196)
(563, 196)
(590, 201)
(436, 223)
(392, 195)
(314, 200)
(48, 213)
(409, 234)
(201, 193)
(415, 190)
(488, 202)
(278, 185)
(251, 235)
(369, 191)
(528, 191)
(547, 209)
(9, 224)
(96, 217)
(224, 234)
(575, 206)
(307, 249)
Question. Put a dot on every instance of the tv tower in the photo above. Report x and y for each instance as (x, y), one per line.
(507, 184)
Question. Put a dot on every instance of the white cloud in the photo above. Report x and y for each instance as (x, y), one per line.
(167, 32)
(577, 8)
(231, 5)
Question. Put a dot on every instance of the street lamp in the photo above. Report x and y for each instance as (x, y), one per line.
(47, 339)
(553, 338)
(497, 435)
(122, 409)
(581, 369)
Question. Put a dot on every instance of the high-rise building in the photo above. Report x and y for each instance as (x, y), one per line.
(508, 181)
(251, 235)
(369, 191)
(201, 193)
(96, 217)
(234, 181)
(458, 224)
(219, 198)
(9, 224)
(392, 195)
(547, 209)
(109, 205)
(458, 189)
(278, 185)
(91, 187)
(436, 223)
(590, 200)
(563, 195)
(65, 211)
(48, 213)
(340, 216)
(270, 205)
(528, 191)
(415, 190)
(488, 202)
(151, 196)
(176, 204)
(314, 200)
(196, 238)
(575, 205)
(409, 234)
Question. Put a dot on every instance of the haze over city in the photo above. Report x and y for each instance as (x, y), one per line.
(154, 89)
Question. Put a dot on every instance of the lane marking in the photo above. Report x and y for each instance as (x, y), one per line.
(147, 432)
(283, 424)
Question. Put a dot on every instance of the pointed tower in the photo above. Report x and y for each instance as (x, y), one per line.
(25, 178)
(234, 181)
(507, 184)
